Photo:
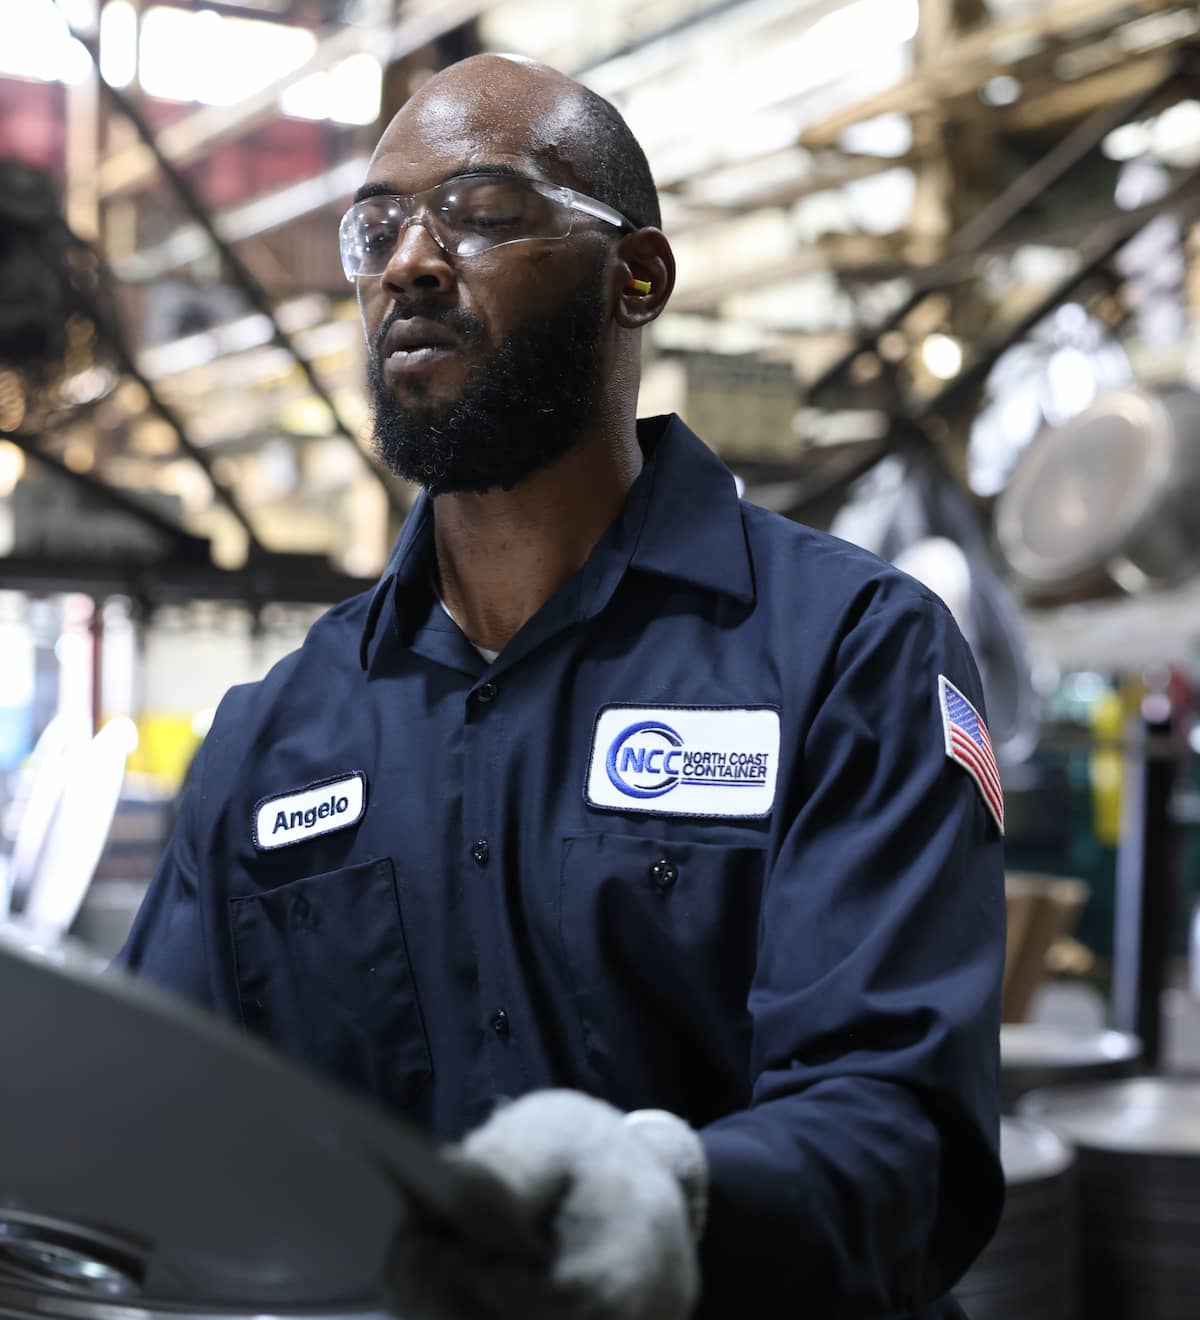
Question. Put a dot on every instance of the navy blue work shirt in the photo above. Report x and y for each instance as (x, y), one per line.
(423, 874)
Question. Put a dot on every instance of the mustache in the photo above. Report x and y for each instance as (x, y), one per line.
(463, 324)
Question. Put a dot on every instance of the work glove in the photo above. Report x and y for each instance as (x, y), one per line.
(620, 1197)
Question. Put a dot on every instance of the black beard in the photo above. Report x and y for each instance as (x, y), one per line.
(520, 411)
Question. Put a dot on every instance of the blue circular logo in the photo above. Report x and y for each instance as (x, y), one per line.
(643, 761)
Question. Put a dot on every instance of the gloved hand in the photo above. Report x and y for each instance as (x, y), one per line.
(622, 1198)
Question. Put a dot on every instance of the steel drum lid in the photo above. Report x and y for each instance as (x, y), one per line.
(1144, 1115)
(1037, 1045)
(154, 1160)
(1028, 1268)
(1030, 1152)
(1084, 489)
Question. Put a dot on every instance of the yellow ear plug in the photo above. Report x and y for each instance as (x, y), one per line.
(639, 286)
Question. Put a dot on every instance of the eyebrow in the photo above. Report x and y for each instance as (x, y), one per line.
(381, 188)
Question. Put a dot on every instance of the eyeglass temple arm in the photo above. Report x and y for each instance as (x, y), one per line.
(598, 209)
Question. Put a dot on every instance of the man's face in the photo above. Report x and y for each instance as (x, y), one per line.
(482, 368)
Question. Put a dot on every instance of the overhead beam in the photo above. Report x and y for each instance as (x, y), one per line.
(860, 254)
(1096, 254)
(242, 278)
(188, 546)
(196, 133)
(1070, 101)
(112, 334)
(182, 141)
(929, 81)
(985, 228)
(835, 171)
(946, 180)
(222, 492)
(269, 578)
(966, 64)
(246, 220)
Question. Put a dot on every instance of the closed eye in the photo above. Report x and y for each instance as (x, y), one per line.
(492, 221)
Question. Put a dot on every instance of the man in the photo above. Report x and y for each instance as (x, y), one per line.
(614, 788)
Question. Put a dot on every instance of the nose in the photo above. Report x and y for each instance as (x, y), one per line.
(418, 261)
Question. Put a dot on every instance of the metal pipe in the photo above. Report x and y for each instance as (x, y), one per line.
(1145, 884)
(96, 635)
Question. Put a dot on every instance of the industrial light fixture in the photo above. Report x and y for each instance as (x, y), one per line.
(884, 135)
(80, 14)
(203, 56)
(943, 356)
(1001, 90)
(118, 43)
(12, 466)
(1127, 142)
(349, 93)
(40, 47)
(263, 6)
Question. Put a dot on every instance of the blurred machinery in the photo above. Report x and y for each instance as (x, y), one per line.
(1138, 1149)
(1109, 500)
(1034, 1056)
(911, 511)
(1029, 1267)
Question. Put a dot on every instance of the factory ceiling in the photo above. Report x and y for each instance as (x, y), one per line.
(871, 201)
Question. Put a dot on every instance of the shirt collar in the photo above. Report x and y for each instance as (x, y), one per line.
(407, 567)
(693, 526)
(683, 516)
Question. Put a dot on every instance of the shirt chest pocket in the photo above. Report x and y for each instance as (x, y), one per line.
(324, 975)
(660, 938)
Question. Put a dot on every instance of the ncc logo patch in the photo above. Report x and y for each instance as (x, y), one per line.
(304, 813)
(684, 760)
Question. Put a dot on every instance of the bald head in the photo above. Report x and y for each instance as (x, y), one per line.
(571, 135)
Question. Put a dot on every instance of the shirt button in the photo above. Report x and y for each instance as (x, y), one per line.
(480, 852)
(486, 693)
(500, 1024)
(663, 874)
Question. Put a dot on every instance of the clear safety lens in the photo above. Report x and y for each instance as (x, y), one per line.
(465, 216)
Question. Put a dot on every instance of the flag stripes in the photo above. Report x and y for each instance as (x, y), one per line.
(968, 745)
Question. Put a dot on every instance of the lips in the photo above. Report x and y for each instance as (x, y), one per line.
(415, 333)
(414, 343)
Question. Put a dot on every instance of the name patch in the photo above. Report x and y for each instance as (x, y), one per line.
(684, 760)
(333, 804)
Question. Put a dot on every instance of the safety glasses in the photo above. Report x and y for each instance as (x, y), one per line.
(466, 215)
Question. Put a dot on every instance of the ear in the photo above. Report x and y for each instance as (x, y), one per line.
(643, 258)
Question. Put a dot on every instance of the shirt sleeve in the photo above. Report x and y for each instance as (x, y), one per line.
(864, 1177)
(166, 945)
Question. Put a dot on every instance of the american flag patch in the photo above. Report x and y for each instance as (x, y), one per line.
(968, 744)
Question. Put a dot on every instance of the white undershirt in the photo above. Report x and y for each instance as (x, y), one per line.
(489, 656)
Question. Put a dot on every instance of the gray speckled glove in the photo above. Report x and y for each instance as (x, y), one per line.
(622, 1198)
